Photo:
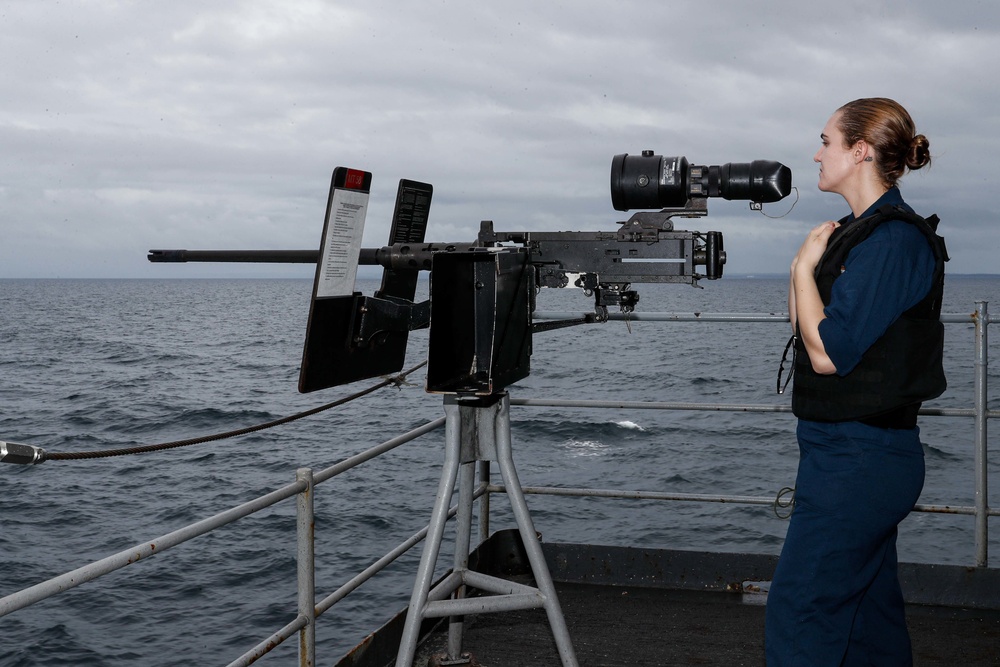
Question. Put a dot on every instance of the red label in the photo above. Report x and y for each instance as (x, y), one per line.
(355, 179)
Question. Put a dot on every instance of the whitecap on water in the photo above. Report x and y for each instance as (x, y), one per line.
(586, 447)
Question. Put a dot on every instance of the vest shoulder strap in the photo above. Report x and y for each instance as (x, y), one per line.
(926, 225)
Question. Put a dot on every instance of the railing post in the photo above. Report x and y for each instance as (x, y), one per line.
(484, 502)
(980, 389)
(305, 530)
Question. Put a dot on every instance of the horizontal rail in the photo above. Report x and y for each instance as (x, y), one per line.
(81, 575)
(700, 497)
(666, 317)
(707, 407)
(948, 318)
(646, 405)
(635, 495)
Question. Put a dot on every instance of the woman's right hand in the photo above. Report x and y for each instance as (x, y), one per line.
(814, 246)
(805, 307)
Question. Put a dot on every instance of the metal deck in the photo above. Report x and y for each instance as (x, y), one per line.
(629, 606)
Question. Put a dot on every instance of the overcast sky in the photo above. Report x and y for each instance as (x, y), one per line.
(126, 126)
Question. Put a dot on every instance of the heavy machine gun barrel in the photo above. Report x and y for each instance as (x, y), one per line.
(400, 256)
(268, 256)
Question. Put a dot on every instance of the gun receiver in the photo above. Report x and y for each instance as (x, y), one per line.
(645, 249)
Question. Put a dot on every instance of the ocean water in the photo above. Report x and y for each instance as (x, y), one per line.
(93, 365)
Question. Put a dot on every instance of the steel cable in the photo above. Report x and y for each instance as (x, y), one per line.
(396, 380)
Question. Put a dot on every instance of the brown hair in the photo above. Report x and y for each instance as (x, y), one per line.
(885, 126)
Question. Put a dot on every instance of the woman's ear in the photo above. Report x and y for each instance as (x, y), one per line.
(862, 152)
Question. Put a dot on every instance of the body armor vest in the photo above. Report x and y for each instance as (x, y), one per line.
(902, 368)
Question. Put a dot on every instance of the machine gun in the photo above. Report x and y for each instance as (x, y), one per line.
(482, 293)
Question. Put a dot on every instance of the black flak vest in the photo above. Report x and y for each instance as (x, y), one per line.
(902, 368)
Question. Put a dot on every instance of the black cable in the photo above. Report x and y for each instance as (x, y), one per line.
(73, 456)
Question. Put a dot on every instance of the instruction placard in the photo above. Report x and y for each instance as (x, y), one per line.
(341, 243)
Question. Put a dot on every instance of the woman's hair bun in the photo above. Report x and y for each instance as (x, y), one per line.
(920, 152)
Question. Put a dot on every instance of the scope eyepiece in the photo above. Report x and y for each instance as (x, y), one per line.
(651, 181)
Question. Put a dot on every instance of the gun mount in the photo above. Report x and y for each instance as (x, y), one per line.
(483, 292)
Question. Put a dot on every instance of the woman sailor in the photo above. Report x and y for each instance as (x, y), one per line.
(864, 300)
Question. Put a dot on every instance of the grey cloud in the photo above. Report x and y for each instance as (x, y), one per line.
(127, 126)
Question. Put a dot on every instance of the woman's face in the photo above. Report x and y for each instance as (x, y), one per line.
(836, 160)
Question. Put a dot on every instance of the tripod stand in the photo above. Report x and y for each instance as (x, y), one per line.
(477, 430)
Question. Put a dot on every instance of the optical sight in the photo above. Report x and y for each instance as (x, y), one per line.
(653, 181)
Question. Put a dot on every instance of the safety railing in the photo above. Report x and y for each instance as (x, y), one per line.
(309, 609)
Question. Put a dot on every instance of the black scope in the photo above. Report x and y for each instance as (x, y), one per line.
(653, 181)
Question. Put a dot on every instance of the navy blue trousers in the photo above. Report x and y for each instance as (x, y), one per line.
(835, 598)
